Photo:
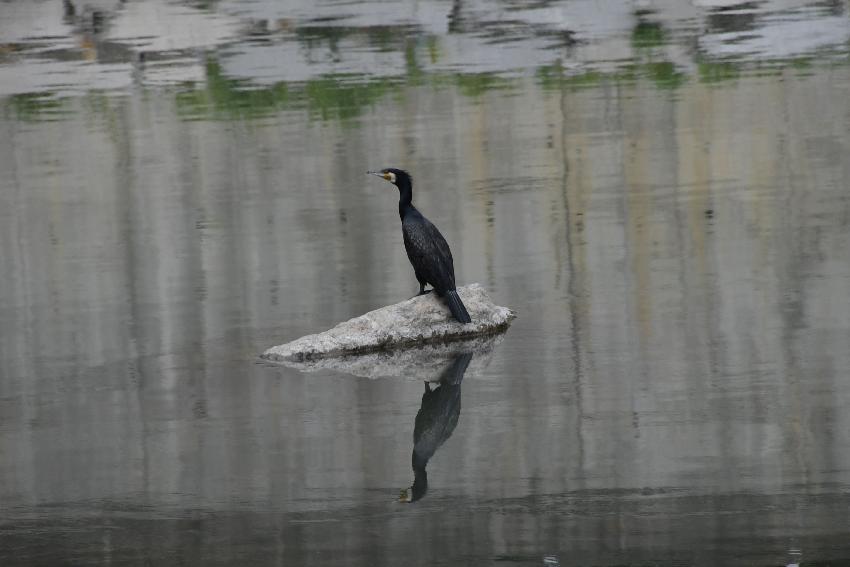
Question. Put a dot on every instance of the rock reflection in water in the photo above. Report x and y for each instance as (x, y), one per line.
(427, 362)
(435, 422)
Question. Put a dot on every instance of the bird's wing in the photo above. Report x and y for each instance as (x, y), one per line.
(429, 252)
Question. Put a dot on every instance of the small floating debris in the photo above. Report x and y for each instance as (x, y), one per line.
(419, 320)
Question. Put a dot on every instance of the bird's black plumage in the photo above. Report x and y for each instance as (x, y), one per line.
(435, 422)
(427, 250)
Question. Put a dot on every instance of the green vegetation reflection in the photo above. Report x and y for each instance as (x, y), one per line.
(648, 35)
(36, 107)
(343, 97)
(329, 97)
(223, 97)
(717, 71)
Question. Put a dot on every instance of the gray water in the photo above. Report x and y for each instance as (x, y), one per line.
(658, 188)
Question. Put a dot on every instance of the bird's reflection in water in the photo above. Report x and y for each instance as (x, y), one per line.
(442, 366)
(435, 422)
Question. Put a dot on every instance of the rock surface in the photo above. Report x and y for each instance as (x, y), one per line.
(422, 363)
(416, 321)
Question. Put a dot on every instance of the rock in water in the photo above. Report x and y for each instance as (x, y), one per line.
(418, 320)
(421, 363)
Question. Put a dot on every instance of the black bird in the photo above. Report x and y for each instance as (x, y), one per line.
(426, 248)
(435, 422)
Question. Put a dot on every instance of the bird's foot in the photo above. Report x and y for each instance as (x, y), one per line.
(424, 292)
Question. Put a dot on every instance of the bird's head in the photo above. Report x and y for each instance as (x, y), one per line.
(413, 493)
(406, 495)
(420, 484)
(397, 177)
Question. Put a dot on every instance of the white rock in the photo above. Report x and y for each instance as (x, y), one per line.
(416, 321)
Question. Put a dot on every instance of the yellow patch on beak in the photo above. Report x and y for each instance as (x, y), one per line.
(390, 176)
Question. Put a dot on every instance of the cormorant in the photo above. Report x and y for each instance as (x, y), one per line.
(427, 250)
(435, 422)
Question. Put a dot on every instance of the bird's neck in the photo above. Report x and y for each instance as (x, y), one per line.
(405, 198)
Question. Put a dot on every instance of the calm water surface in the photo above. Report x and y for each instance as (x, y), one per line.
(659, 188)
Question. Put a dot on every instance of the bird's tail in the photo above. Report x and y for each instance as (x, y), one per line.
(456, 307)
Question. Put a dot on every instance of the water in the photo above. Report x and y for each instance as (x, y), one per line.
(658, 188)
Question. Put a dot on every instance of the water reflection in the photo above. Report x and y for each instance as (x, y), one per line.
(72, 47)
(660, 192)
(435, 422)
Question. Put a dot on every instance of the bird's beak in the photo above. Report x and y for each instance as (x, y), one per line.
(380, 174)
